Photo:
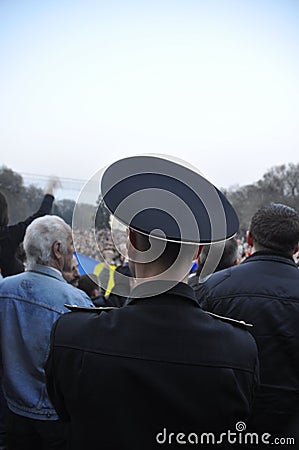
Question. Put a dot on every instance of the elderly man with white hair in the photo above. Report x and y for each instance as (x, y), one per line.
(29, 305)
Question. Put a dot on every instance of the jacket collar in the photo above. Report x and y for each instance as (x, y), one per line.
(270, 256)
(145, 292)
(48, 271)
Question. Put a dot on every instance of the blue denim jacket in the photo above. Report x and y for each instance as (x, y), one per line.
(29, 305)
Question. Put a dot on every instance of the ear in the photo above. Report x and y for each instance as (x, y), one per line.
(296, 249)
(249, 239)
(56, 250)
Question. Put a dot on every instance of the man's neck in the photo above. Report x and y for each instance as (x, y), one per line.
(269, 251)
(154, 273)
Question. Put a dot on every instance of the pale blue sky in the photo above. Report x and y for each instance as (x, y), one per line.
(213, 82)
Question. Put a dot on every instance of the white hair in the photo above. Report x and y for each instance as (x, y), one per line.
(40, 237)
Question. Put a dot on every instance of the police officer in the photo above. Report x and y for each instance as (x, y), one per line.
(158, 371)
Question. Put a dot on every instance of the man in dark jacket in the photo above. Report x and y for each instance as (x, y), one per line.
(11, 236)
(159, 370)
(229, 258)
(264, 290)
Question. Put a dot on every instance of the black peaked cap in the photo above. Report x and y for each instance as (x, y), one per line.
(163, 198)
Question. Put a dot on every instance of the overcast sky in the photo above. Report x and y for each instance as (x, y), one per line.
(86, 82)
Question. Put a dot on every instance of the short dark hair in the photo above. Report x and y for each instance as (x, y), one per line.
(228, 258)
(276, 227)
(171, 252)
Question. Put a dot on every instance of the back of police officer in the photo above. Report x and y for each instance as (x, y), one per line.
(158, 371)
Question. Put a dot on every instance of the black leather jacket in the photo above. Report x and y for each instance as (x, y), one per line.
(264, 290)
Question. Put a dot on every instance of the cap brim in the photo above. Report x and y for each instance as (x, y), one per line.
(167, 200)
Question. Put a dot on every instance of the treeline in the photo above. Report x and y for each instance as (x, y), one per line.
(25, 200)
(280, 184)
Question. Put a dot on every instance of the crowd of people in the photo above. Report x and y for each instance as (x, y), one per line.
(143, 352)
(93, 243)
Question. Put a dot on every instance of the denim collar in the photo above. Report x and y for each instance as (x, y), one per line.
(48, 271)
